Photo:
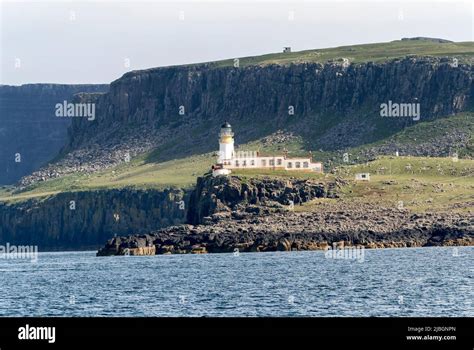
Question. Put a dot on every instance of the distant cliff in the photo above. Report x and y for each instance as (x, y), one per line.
(28, 125)
(81, 220)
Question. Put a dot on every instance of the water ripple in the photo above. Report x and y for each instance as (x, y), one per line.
(390, 282)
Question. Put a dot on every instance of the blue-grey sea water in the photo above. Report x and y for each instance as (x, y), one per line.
(437, 281)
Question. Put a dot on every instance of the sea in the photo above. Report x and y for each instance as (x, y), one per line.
(429, 281)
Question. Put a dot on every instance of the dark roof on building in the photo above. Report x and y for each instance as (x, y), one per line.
(226, 125)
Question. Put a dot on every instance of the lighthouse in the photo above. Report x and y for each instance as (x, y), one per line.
(226, 144)
(228, 159)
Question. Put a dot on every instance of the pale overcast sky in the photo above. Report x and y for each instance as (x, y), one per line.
(96, 42)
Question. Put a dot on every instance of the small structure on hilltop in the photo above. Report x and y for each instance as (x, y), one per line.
(229, 159)
(362, 177)
(287, 49)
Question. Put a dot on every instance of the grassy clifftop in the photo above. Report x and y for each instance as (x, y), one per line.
(379, 52)
(376, 52)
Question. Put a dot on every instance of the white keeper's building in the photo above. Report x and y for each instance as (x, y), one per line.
(229, 159)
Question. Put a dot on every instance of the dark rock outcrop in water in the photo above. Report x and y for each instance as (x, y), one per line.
(229, 214)
(80, 220)
(28, 125)
(335, 107)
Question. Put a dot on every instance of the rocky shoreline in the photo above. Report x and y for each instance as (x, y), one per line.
(230, 214)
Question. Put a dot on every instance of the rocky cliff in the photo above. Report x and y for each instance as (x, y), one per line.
(262, 95)
(29, 127)
(80, 220)
(178, 110)
(229, 214)
(227, 194)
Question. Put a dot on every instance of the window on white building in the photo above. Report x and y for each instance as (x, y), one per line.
(278, 161)
(297, 165)
(305, 164)
(252, 162)
(290, 165)
(272, 162)
(264, 162)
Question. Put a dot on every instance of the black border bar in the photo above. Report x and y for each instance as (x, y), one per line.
(349, 331)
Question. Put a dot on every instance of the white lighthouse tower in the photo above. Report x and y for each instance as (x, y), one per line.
(226, 144)
(226, 150)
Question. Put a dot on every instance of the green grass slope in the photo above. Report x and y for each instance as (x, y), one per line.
(140, 172)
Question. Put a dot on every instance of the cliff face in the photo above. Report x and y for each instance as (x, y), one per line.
(225, 194)
(256, 100)
(28, 125)
(85, 219)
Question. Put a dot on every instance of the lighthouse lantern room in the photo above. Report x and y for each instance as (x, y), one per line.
(226, 144)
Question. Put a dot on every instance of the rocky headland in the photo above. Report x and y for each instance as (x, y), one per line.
(230, 214)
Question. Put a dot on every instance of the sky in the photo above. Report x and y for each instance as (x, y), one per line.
(83, 42)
